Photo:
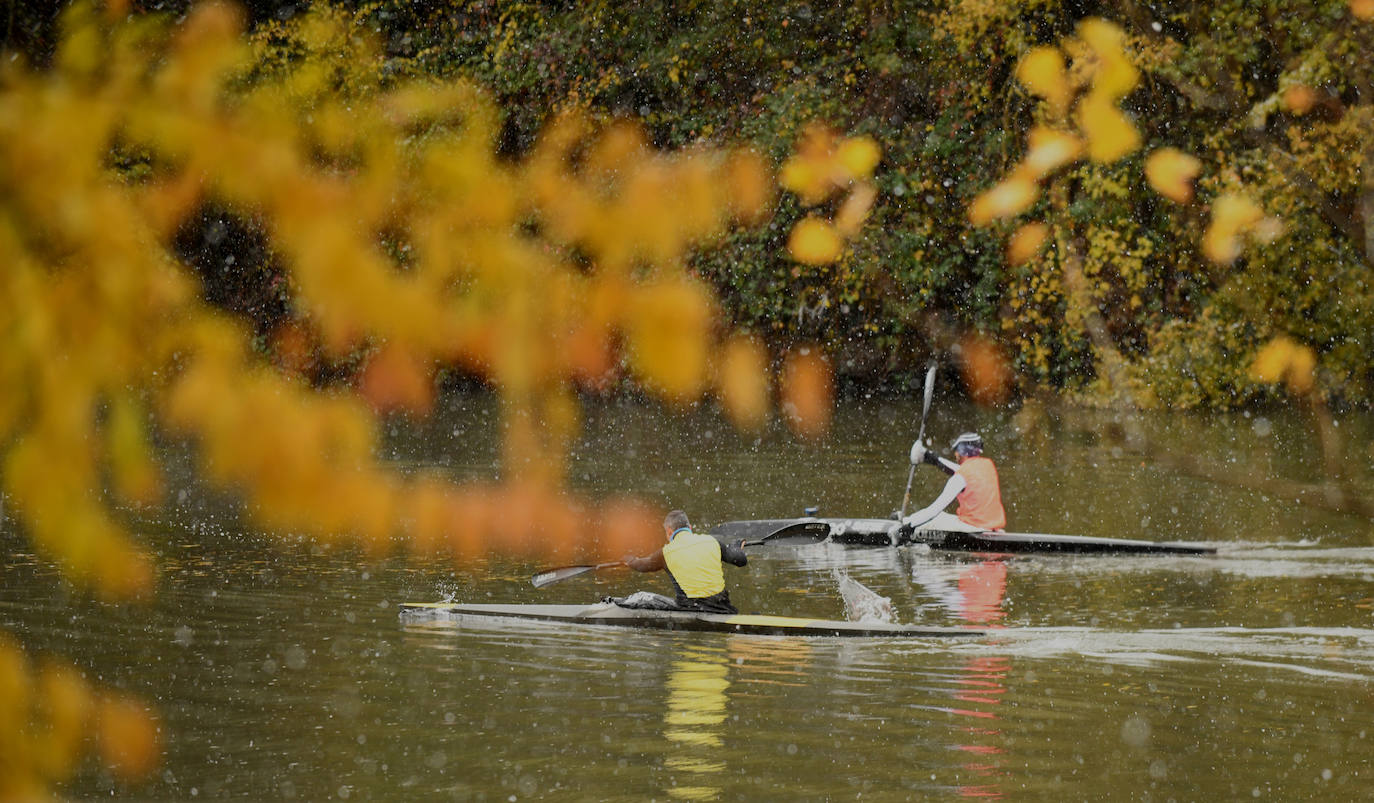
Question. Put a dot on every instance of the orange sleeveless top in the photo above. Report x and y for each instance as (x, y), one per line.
(980, 504)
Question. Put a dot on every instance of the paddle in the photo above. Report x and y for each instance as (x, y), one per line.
(798, 532)
(925, 411)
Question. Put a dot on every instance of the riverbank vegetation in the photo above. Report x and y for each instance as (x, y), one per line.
(1272, 102)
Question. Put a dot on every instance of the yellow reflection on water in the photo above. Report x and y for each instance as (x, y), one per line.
(694, 722)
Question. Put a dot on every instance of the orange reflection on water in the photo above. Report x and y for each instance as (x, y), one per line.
(981, 685)
(981, 590)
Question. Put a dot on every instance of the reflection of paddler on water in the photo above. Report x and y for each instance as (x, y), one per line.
(694, 724)
(693, 562)
(979, 594)
(981, 685)
(973, 481)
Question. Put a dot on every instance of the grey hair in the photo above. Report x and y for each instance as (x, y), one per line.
(675, 521)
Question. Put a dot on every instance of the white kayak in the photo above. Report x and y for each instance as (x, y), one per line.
(612, 615)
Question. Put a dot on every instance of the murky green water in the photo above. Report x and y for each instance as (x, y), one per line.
(284, 671)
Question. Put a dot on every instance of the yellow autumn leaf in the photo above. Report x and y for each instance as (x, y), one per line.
(1026, 243)
(1232, 215)
(133, 472)
(812, 171)
(1049, 150)
(859, 155)
(1042, 71)
(66, 703)
(854, 211)
(1171, 172)
(1302, 375)
(1113, 75)
(1283, 359)
(668, 331)
(742, 381)
(801, 177)
(1110, 133)
(814, 242)
(1009, 198)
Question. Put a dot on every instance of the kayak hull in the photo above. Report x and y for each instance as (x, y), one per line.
(611, 615)
(888, 532)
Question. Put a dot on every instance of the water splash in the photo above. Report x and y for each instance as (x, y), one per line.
(862, 604)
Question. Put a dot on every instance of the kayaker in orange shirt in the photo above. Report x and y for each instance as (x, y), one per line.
(972, 481)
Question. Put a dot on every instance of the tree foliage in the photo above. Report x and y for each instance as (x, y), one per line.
(1268, 99)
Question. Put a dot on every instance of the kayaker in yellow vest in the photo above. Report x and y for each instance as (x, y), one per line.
(693, 562)
(973, 481)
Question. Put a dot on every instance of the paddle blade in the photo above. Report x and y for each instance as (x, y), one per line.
(550, 576)
(929, 394)
(799, 532)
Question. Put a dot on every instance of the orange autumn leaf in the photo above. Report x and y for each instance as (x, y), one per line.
(743, 382)
(805, 179)
(1026, 243)
(985, 369)
(1362, 9)
(627, 526)
(751, 185)
(1007, 199)
(395, 381)
(126, 574)
(587, 352)
(128, 737)
(814, 241)
(807, 392)
(812, 172)
(1171, 173)
(1300, 98)
(293, 348)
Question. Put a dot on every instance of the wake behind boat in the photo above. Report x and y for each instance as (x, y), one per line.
(947, 532)
(612, 615)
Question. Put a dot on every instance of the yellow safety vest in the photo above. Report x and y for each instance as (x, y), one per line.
(694, 561)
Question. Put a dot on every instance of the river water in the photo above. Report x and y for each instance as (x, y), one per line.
(283, 671)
